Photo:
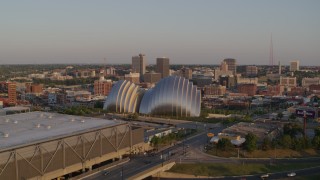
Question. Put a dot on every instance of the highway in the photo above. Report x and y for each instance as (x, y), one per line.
(176, 152)
(137, 164)
(190, 151)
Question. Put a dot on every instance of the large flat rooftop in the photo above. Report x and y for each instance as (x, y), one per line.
(28, 128)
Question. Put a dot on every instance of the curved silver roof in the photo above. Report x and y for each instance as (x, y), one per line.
(124, 97)
(174, 96)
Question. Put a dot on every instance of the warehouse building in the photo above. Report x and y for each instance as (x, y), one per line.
(40, 145)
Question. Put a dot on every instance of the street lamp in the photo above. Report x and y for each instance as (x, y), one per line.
(162, 158)
(183, 148)
(121, 173)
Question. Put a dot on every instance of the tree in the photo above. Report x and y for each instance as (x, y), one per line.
(292, 129)
(266, 144)
(135, 116)
(316, 142)
(317, 131)
(298, 143)
(286, 141)
(280, 115)
(155, 141)
(224, 144)
(204, 114)
(251, 142)
(292, 117)
(98, 104)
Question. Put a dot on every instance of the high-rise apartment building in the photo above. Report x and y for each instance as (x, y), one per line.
(139, 65)
(8, 92)
(232, 65)
(102, 87)
(294, 66)
(163, 66)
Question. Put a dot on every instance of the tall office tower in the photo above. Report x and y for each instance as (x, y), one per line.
(232, 65)
(139, 65)
(294, 66)
(163, 66)
(224, 66)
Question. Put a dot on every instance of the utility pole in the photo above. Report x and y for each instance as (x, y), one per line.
(305, 124)
(162, 158)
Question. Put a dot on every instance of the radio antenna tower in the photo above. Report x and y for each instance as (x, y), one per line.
(271, 52)
(105, 62)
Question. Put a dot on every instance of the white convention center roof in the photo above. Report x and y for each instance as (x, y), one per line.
(33, 127)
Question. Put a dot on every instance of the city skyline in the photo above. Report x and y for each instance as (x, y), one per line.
(187, 32)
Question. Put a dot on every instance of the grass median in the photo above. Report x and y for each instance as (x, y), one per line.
(227, 169)
(274, 153)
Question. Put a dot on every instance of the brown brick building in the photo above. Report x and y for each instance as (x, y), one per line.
(249, 89)
(34, 88)
(152, 77)
(214, 90)
(102, 87)
(8, 92)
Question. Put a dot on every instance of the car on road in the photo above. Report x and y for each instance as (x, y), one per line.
(292, 174)
(264, 176)
(147, 161)
(106, 173)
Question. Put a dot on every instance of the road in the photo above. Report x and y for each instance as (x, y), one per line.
(190, 151)
(141, 163)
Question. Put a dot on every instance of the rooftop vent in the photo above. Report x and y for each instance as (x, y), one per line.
(72, 120)
(48, 127)
(15, 122)
(5, 135)
(38, 126)
(50, 117)
(7, 120)
(83, 121)
(41, 115)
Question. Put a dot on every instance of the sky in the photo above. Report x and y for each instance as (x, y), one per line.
(186, 31)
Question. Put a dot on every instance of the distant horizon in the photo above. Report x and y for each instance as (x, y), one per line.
(108, 64)
(186, 31)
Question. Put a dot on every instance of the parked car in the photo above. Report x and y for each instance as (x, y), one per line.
(264, 176)
(292, 174)
(106, 173)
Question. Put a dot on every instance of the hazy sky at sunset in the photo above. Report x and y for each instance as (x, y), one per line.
(186, 31)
